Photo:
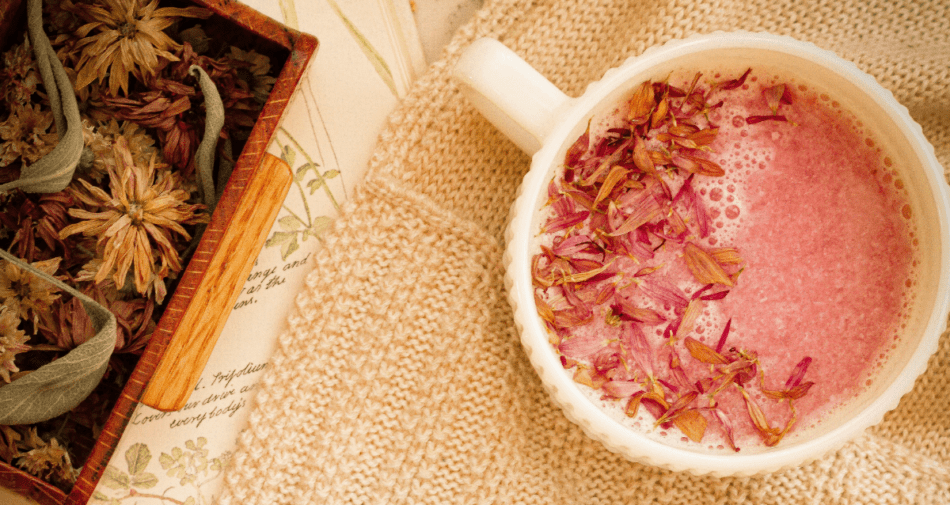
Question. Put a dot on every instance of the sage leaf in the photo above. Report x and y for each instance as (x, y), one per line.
(54, 171)
(137, 457)
(214, 122)
(58, 387)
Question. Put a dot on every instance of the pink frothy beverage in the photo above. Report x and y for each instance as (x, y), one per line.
(726, 260)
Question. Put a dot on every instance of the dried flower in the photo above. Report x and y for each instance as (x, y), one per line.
(19, 77)
(256, 75)
(137, 220)
(12, 342)
(25, 293)
(47, 460)
(126, 36)
(25, 134)
(98, 142)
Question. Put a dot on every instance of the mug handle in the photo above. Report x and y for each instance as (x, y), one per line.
(511, 94)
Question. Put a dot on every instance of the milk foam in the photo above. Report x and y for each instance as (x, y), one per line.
(742, 150)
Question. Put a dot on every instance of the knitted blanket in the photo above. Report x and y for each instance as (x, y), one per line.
(401, 378)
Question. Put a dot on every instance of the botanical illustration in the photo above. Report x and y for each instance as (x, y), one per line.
(309, 178)
(191, 466)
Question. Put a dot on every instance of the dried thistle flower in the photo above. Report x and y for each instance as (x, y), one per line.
(47, 460)
(126, 36)
(25, 134)
(36, 220)
(19, 77)
(256, 75)
(138, 217)
(25, 293)
(12, 342)
(98, 142)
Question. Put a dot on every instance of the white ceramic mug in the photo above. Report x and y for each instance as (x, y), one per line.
(544, 122)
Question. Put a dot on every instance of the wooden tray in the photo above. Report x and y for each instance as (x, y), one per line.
(185, 334)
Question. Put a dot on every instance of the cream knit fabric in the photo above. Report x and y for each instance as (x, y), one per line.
(401, 378)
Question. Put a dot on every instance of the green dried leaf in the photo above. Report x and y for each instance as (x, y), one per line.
(113, 478)
(144, 480)
(137, 457)
(57, 387)
(330, 174)
(214, 122)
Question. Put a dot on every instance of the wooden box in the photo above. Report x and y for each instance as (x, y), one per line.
(185, 334)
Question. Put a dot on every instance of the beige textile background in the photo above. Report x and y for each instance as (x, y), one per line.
(401, 378)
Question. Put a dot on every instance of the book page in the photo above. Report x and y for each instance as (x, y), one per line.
(367, 58)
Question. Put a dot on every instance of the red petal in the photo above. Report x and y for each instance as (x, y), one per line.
(759, 119)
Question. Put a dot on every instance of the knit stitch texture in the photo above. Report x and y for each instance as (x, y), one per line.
(401, 378)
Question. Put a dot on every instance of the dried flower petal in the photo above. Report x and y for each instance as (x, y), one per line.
(703, 352)
(692, 424)
(723, 336)
(616, 175)
(758, 119)
(578, 148)
(704, 267)
(641, 104)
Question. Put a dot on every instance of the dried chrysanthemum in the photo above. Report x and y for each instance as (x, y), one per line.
(98, 144)
(26, 293)
(25, 134)
(47, 459)
(256, 75)
(126, 36)
(19, 77)
(12, 342)
(136, 220)
(36, 220)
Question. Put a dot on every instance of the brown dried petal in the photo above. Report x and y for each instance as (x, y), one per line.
(692, 424)
(578, 148)
(773, 97)
(693, 310)
(616, 175)
(704, 267)
(726, 256)
(641, 104)
(659, 115)
(703, 352)
(633, 406)
(771, 436)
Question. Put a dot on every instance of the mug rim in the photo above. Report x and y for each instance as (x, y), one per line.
(575, 404)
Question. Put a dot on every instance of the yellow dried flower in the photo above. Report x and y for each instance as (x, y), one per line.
(25, 134)
(145, 206)
(126, 36)
(47, 460)
(12, 342)
(256, 76)
(25, 293)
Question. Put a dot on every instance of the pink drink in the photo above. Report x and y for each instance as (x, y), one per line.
(819, 218)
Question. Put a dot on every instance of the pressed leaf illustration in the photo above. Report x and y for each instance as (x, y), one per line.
(295, 228)
(190, 465)
(57, 387)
